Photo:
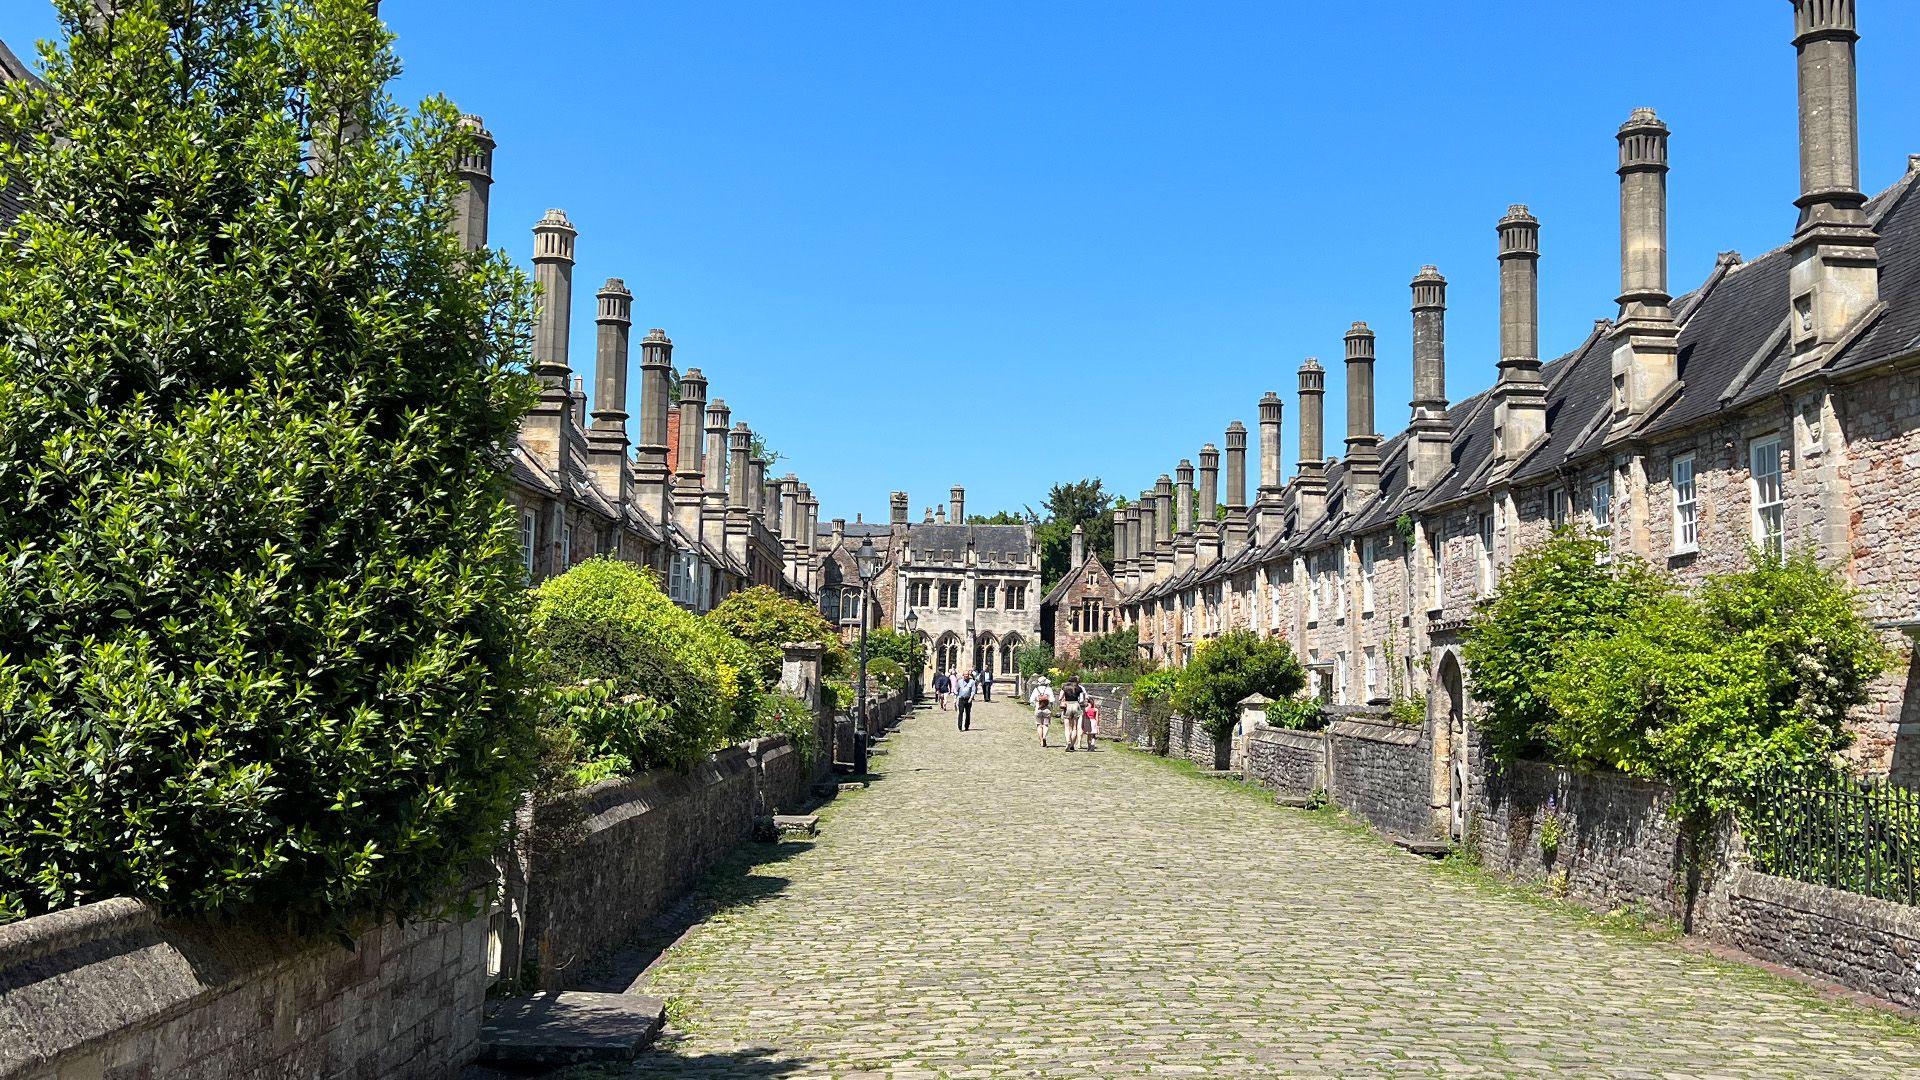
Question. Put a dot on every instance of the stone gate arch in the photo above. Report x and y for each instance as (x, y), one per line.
(1447, 720)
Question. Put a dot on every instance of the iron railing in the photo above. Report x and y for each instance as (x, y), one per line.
(1822, 826)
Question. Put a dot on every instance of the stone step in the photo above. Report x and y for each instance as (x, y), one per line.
(1432, 849)
(801, 823)
(1220, 774)
(551, 1030)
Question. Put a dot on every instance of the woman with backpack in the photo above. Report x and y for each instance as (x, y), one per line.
(1042, 698)
(1073, 698)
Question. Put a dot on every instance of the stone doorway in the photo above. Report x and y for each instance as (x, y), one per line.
(1449, 746)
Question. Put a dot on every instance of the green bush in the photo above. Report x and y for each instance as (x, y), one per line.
(1120, 649)
(784, 714)
(1562, 589)
(1297, 713)
(1153, 695)
(667, 693)
(902, 648)
(766, 621)
(1228, 668)
(261, 609)
(887, 673)
(1034, 659)
(1707, 694)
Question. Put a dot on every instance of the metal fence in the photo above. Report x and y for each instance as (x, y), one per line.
(1827, 828)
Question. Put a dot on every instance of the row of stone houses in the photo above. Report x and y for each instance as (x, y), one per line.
(692, 500)
(1776, 405)
(973, 590)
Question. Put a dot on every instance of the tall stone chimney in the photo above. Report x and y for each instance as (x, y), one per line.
(689, 478)
(544, 429)
(1310, 486)
(1519, 397)
(897, 508)
(1163, 556)
(1208, 527)
(739, 517)
(1272, 493)
(577, 401)
(1079, 546)
(766, 499)
(1430, 443)
(1185, 544)
(1237, 525)
(1363, 443)
(1835, 279)
(553, 240)
(607, 439)
(790, 526)
(1148, 538)
(650, 459)
(713, 514)
(475, 166)
(1646, 342)
(1120, 540)
(809, 536)
(957, 499)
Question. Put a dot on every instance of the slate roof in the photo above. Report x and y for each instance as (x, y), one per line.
(854, 528)
(1009, 541)
(11, 68)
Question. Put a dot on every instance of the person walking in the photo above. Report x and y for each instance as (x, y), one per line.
(941, 684)
(1042, 699)
(986, 683)
(963, 690)
(1091, 717)
(1073, 702)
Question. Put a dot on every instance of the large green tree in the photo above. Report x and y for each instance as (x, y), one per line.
(260, 601)
(1086, 504)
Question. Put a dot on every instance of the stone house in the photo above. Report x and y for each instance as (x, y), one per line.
(1775, 405)
(700, 510)
(974, 590)
(1083, 604)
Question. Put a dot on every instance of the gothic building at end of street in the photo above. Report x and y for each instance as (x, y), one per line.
(1775, 405)
(973, 590)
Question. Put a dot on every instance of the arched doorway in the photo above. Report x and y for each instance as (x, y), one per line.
(1449, 746)
(985, 652)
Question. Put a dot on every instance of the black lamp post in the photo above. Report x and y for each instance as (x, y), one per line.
(912, 624)
(868, 562)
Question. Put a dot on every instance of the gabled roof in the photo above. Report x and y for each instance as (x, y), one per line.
(1073, 576)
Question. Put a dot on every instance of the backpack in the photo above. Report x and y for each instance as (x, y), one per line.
(1071, 693)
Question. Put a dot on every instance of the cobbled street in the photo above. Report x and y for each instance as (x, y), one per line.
(990, 909)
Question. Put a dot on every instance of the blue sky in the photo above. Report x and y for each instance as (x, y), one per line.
(1009, 244)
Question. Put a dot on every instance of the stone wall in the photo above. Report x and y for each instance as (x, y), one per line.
(1190, 740)
(1864, 944)
(1292, 763)
(111, 991)
(1119, 720)
(1618, 844)
(606, 860)
(1382, 773)
(781, 776)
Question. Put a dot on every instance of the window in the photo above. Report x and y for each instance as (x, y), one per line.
(1313, 596)
(527, 540)
(850, 605)
(1769, 499)
(950, 594)
(1686, 511)
(1338, 582)
(1372, 673)
(1016, 598)
(1367, 558)
(986, 594)
(1557, 507)
(566, 546)
(920, 594)
(1486, 577)
(1340, 680)
(1600, 505)
(1437, 562)
(680, 587)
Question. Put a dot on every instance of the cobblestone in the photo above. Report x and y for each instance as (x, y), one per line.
(988, 909)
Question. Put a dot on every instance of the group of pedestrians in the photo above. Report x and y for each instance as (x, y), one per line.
(1077, 711)
(960, 690)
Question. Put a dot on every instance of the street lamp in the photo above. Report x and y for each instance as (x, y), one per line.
(912, 625)
(867, 562)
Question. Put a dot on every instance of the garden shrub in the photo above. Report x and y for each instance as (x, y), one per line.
(1561, 589)
(261, 605)
(902, 648)
(1226, 669)
(783, 714)
(766, 621)
(606, 624)
(1756, 673)
(1034, 659)
(1153, 694)
(1119, 649)
(1297, 713)
(887, 673)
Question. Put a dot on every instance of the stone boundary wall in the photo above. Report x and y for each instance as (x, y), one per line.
(1189, 739)
(111, 991)
(1618, 843)
(1862, 943)
(604, 861)
(1292, 763)
(1382, 773)
(1119, 721)
(780, 776)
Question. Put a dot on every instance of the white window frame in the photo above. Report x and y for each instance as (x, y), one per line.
(1372, 661)
(1339, 583)
(1484, 524)
(529, 536)
(1600, 504)
(1557, 507)
(1437, 557)
(1368, 556)
(942, 593)
(1767, 484)
(1686, 504)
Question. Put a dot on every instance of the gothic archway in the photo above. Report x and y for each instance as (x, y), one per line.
(1449, 726)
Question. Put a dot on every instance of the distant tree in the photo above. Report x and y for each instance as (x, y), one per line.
(1002, 517)
(1084, 503)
